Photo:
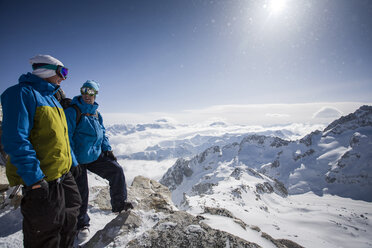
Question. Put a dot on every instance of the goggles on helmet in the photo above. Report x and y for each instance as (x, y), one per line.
(60, 70)
(88, 91)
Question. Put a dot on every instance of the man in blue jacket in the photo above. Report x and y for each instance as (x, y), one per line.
(93, 152)
(36, 139)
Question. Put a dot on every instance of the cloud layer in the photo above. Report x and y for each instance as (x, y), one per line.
(253, 114)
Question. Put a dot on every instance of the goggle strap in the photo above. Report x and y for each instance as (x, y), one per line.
(39, 65)
(57, 68)
(46, 66)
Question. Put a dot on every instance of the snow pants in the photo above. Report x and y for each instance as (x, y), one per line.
(52, 222)
(110, 170)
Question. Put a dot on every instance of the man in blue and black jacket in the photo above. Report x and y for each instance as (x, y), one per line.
(93, 152)
(35, 136)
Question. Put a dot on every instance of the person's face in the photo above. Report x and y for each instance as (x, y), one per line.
(88, 98)
(54, 80)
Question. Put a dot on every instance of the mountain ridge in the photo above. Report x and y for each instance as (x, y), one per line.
(317, 162)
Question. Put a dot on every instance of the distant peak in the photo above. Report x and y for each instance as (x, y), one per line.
(360, 118)
(162, 120)
(218, 123)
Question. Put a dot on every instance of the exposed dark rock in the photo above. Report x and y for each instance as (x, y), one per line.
(218, 211)
(360, 118)
(330, 179)
(275, 164)
(258, 139)
(305, 154)
(264, 188)
(278, 142)
(174, 176)
(280, 188)
(281, 243)
(203, 188)
(226, 213)
(308, 139)
(252, 172)
(211, 150)
(237, 173)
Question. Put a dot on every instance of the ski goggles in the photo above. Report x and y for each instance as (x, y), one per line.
(88, 91)
(61, 71)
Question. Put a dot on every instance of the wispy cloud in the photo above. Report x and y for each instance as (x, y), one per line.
(252, 114)
(328, 112)
(277, 115)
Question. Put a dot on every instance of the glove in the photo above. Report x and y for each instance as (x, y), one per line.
(39, 190)
(110, 154)
(75, 171)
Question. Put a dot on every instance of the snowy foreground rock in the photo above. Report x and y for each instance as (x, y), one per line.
(156, 222)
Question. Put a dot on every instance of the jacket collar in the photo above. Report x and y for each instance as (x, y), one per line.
(85, 107)
(39, 84)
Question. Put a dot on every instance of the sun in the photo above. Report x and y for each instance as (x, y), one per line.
(277, 6)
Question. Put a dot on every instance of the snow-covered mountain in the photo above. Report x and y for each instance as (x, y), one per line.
(337, 160)
(270, 182)
(150, 149)
(164, 140)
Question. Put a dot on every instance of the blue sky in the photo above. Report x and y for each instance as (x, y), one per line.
(171, 56)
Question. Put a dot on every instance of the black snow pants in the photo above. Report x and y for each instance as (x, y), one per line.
(110, 170)
(52, 222)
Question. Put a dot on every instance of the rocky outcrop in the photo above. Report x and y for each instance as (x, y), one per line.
(181, 229)
(174, 177)
(4, 184)
(150, 195)
(308, 140)
(156, 222)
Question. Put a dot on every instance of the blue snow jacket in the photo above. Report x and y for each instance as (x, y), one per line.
(88, 139)
(34, 132)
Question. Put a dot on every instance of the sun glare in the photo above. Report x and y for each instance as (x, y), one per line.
(277, 6)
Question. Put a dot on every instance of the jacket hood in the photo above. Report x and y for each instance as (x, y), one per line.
(44, 87)
(84, 107)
